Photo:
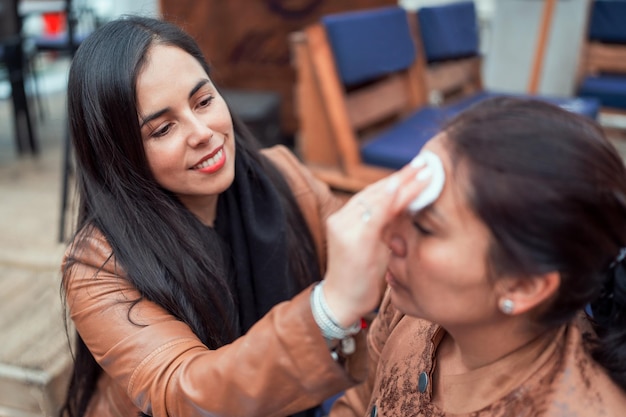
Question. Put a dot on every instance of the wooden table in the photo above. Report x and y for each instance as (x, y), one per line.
(35, 360)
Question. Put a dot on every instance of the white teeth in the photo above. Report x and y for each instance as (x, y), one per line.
(210, 161)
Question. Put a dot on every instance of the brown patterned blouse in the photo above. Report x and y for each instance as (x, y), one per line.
(563, 379)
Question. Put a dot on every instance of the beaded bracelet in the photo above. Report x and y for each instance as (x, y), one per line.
(326, 320)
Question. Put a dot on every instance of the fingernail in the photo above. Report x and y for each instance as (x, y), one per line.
(392, 185)
(418, 161)
(424, 174)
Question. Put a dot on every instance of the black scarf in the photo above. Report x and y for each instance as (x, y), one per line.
(251, 220)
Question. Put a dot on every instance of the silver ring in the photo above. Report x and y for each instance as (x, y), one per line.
(367, 212)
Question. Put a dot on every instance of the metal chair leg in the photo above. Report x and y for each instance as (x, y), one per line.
(26, 141)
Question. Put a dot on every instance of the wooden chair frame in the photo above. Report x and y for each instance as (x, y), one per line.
(333, 121)
(451, 80)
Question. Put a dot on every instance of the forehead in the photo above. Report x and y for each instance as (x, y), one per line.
(438, 145)
(168, 68)
(168, 72)
(167, 57)
(453, 200)
(457, 171)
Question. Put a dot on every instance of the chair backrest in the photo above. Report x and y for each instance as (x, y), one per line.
(369, 44)
(357, 73)
(602, 69)
(450, 39)
(605, 49)
(606, 22)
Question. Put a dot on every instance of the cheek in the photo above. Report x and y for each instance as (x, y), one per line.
(221, 119)
(457, 266)
(162, 160)
(429, 263)
(447, 285)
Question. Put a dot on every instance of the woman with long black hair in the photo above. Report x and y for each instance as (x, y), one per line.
(189, 278)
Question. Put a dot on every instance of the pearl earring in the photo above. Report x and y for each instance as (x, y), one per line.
(507, 306)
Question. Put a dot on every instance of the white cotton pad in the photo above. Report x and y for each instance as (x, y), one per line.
(432, 164)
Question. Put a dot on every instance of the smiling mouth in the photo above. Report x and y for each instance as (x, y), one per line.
(210, 161)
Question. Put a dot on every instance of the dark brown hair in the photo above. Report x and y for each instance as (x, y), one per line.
(552, 190)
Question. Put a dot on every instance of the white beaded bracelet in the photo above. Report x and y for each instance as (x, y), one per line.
(326, 320)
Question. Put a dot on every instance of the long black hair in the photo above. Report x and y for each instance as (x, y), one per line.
(167, 254)
(552, 190)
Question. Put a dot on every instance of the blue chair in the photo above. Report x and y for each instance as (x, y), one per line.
(603, 62)
(450, 39)
(360, 97)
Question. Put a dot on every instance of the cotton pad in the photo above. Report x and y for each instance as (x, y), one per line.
(432, 164)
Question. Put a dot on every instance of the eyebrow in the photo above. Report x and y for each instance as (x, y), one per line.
(431, 211)
(198, 86)
(161, 112)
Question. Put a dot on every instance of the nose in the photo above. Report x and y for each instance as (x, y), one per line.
(395, 239)
(199, 132)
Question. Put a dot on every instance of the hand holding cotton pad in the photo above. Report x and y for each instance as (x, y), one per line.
(433, 169)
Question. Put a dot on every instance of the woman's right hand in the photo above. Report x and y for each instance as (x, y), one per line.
(357, 254)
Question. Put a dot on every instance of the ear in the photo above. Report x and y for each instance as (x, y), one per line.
(527, 293)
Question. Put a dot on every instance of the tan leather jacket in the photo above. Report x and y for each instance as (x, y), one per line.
(562, 380)
(282, 365)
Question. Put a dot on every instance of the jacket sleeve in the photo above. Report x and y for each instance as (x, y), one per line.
(282, 365)
(356, 401)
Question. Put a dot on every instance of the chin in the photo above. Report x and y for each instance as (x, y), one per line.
(224, 181)
(402, 303)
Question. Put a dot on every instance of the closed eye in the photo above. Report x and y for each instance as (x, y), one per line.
(421, 229)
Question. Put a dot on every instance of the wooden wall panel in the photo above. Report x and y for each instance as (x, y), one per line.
(246, 40)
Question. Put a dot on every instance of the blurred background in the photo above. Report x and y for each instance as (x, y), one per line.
(258, 49)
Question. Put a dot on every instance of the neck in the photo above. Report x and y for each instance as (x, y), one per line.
(468, 349)
(205, 209)
(476, 368)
